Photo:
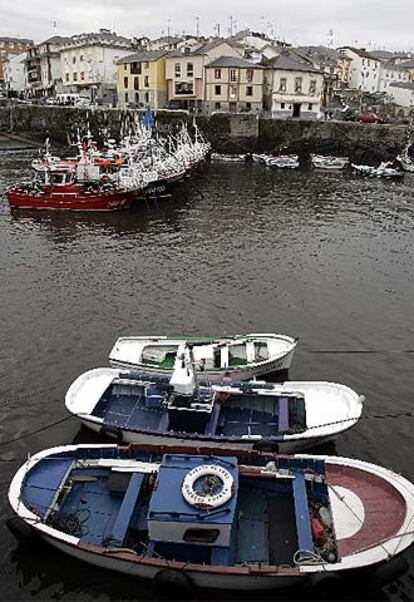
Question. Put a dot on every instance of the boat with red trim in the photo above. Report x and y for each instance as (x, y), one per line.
(58, 189)
(216, 518)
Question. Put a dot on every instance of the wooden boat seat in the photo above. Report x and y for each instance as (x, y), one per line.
(126, 509)
(303, 524)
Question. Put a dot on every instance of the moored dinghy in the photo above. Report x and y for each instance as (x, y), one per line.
(329, 162)
(227, 520)
(138, 407)
(241, 357)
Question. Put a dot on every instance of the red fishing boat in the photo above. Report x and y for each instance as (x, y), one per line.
(59, 190)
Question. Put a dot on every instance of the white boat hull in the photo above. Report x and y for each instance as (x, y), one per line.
(280, 364)
(284, 447)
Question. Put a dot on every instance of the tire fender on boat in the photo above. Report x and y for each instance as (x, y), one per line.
(266, 445)
(113, 432)
(19, 528)
(211, 501)
(173, 584)
(391, 570)
(324, 584)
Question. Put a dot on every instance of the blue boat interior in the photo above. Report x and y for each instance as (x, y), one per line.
(94, 496)
(155, 408)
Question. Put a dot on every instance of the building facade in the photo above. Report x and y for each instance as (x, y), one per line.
(233, 85)
(364, 73)
(402, 94)
(185, 73)
(141, 80)
(14, 76)
(392, 72)
(89, 65)
(10, 46)
(294, 89)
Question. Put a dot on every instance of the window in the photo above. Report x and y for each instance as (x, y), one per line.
(125, 67)
(249, 75)
(184, 88)
(363, 62)
(217, 73)
(146, 81)
(125, 82)
(75, 77)
(74, 60)
(136, 83)
(82, 75)
(312, 87)
(233, 75)
(282, 84)
(177, 70)
(146, 65)
(190, 70)
(126, 96)
(201, 535)
(217, 105)
(135, 68)
(233, 92)
(248, 106)
(81, 58)
(298, 84)
(217, 90)
(67, 77)
(282, 105)
(146, 97)
(310, 105)
(136, 97)
(249, 90)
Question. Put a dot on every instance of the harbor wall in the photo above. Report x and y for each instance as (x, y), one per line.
(228, 133)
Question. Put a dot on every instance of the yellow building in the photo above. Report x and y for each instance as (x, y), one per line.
(141, 80)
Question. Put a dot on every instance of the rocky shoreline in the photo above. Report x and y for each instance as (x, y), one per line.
(228, 133)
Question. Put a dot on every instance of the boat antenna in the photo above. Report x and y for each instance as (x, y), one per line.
(190, 348)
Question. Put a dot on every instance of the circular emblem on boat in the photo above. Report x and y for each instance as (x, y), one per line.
(207, 486)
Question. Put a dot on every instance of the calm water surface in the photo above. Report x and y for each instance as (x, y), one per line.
(326, 257)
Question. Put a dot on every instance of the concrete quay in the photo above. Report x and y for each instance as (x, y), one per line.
(228, 133)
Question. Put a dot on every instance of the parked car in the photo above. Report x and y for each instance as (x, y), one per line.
(348, 114)
(370, 118)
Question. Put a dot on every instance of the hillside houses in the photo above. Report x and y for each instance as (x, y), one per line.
(246, 72)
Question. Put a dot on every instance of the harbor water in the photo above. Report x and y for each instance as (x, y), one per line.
(238, 248)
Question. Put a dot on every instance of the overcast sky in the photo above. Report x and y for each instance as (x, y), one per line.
(370, 23)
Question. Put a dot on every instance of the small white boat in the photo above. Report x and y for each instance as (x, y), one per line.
(138, 407)
(242, 357)
(224, 519)
(386, 169)
(282, 160)
(329, 162)
(406, 161)
(228, 158)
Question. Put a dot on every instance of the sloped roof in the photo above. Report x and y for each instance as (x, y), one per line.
(232, 61)
(200, 50)
(407, 64)
(147, 55)
(56, 40)
(405, 85)
(288, 64)
(360, 52)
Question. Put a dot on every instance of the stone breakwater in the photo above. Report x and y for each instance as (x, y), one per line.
(228, 133)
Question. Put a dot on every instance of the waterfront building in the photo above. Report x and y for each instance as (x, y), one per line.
(293, 88)
(364, 74)
(11, 46)
(88, 64)
(402, 94)
(344, 70)
(14, 76)
(233, 84)
(409, 66)
(43, 70)
(141, 79)
(392, 72)
(185, 72)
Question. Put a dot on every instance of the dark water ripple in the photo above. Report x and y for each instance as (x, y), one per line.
(326, 257)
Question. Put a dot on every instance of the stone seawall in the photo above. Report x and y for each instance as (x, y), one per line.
(228, 133)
